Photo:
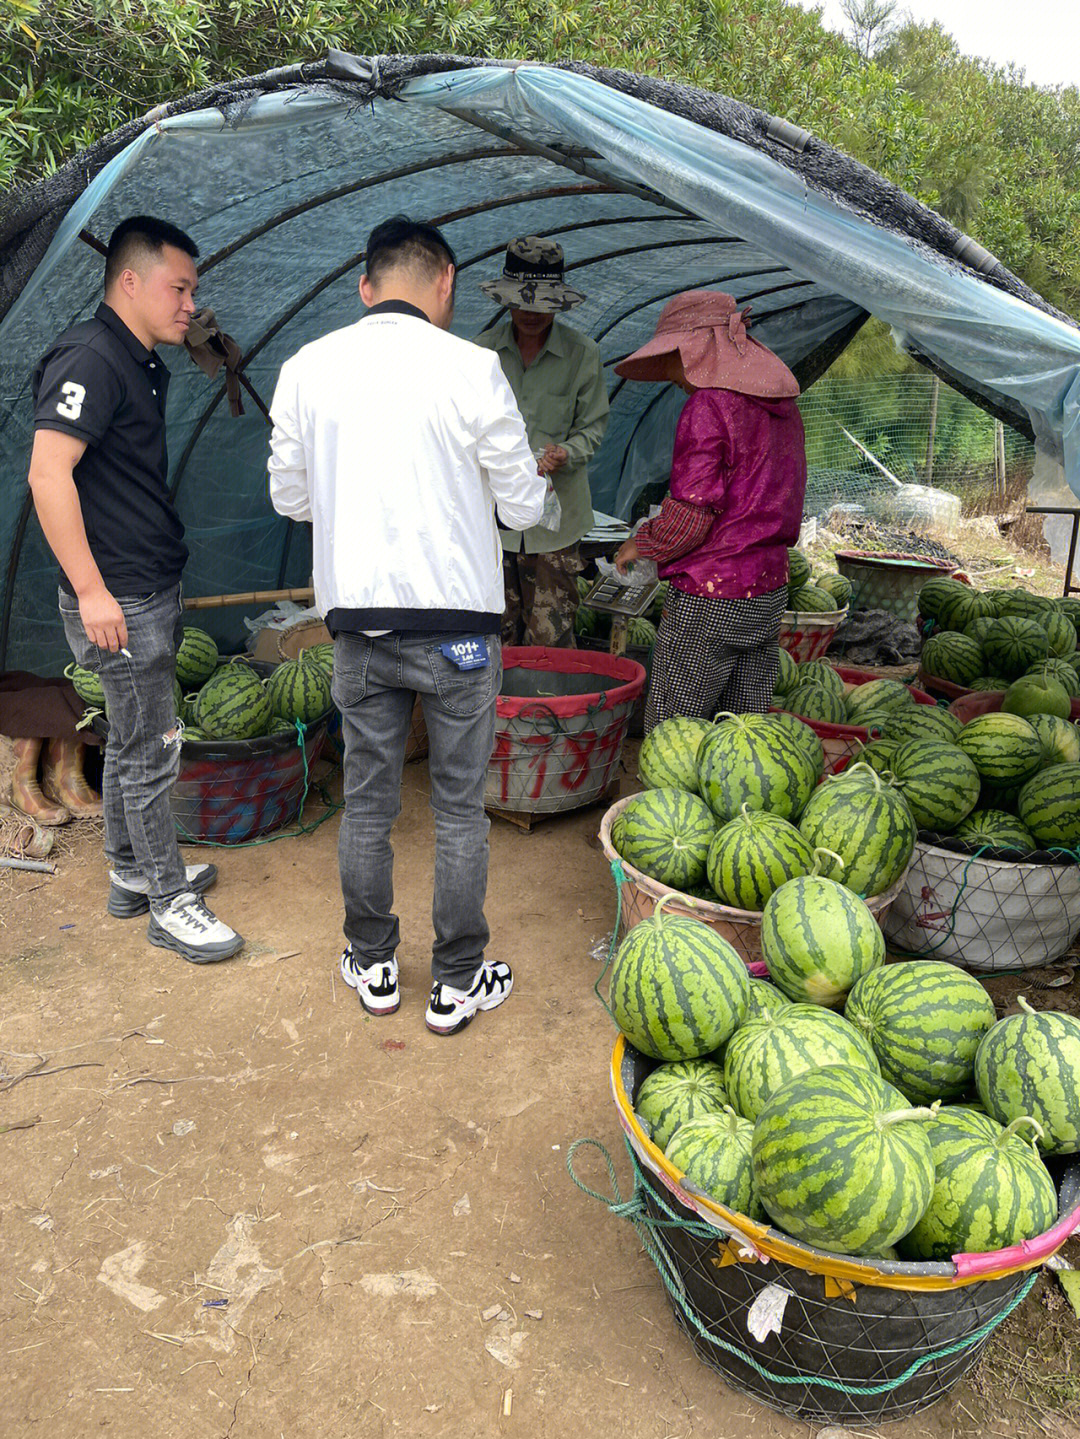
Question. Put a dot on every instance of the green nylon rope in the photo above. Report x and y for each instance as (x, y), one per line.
(634, 1210)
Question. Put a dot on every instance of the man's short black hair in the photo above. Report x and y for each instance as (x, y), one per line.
(138, 237)
(410, 244)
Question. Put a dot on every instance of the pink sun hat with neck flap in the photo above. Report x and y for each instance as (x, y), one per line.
(708, 329)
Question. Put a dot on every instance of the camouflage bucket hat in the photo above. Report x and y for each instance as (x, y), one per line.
(532, 278)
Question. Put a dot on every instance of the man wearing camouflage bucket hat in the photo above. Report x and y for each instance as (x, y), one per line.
(554, 371)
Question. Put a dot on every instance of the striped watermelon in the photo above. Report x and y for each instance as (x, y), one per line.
(813, 701)
(1029, 1064)
(823, 673)
(1049, 806)
(656, 609)
(884, 696)
(764, 1053)
(842, 1161)
(962, 606)
(765, 998)
(805, 739)
(86, 684)
(1060, 740)
(666, 834)
(934, 595)
(1013, 644)
(996, 829)
(233, 704)
(788, 674)
(1064, 671)
(1036, 694)
(678, 991)
(810, 600)
(752, 760)
(196, 659)
(798, 570)
(819, 939)
(952, 656)
(640, 632)
(713, 1153)
(839, 586)
(978, 628)
(1003, 748)
(938, 780)
(999, 797)
(869, 825)
(991, 1189)
(299, 690)
(1059, 633)
(193, 735)
(583, 586)
(878, 754)
(1024, 604)
(281, 726)
(668, 757)
(752, 855)
(1069, 606)
(586, 622)
(921, 722)
(925, 1020)
(674, 1093)
(324, 654)
(989, 682)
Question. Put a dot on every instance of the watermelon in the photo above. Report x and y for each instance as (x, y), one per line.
(821, 672)
(798, 570)
(1003, 747)
(1060, 740)
(934, 595)
(878, 754)
(86, 684)
(586, 622)
(938, 780)
(989, 682)
(233, 704)
(868, 825)
(1069, 606)
(805, 739)
(1013, 644)
(583, 586)
(921, 722)
(668, 757)
(995, 829)
(1060, 634)
(999, 796)
(674, 1093)
(752, 855)
(991, 1189)
(765, 998)
(193, 735)
(839, 586)
(1023, 604)
(656, 609)
(299, 690)
(952, 656)
(196, 659)
(810, 600)
(813, 701)
(877, 696)
(978, 628)
(961, 607)
(1036, 695)
(666, 834)
(324, 654)
(818, 939)
(1064, 671)
(281, 726)
(764, 1053)
(641, 632)
(842, 1161)
(752, 760)
(678, 991)
(788, 674)
(713, 1153)
(1049, 806)
(925, 1020)
(1029, 1065)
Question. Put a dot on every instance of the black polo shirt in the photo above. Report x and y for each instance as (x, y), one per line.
(102, 385)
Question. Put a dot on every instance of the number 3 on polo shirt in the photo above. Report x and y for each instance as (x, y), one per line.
(71, 405)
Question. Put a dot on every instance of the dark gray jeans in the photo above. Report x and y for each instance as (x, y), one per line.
(376, 682)
(140, 763)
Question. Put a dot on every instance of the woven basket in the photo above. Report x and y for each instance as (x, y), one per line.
(640, 894)
(973, 703)
(842, 742)
(808, 634)
(888, 581)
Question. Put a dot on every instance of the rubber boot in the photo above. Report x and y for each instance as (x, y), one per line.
(65, 781)
(26, 795)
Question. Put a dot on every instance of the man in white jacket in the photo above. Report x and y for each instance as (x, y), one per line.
(399, 441)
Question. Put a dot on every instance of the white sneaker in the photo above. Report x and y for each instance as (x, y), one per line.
(129, 897)
(376, 986)
(451, 1009)
(187, 926)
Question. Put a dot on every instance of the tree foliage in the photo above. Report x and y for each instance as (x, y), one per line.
(1000, 158)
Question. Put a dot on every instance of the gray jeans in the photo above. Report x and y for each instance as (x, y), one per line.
(141, 764)
(376, 682)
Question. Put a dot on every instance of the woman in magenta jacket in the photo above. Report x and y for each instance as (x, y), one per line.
(738, 480)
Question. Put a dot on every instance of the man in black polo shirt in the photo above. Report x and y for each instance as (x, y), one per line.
(99, 477)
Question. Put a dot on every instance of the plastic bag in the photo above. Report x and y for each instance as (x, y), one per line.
(551, 518)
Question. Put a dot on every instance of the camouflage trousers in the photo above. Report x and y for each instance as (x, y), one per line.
(541, 598)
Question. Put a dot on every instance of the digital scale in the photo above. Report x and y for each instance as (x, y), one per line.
(623, 603)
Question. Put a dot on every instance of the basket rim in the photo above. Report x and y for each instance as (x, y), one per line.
(814, 619)
(298, 628)
(997, 864)
(892, 558)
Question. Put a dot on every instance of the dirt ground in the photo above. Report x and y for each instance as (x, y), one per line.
(233, 1205)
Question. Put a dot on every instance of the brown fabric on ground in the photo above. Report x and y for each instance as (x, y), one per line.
(32, 707)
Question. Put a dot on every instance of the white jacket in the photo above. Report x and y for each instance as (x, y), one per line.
(398, 440)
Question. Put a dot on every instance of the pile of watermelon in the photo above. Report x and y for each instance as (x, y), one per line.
(912, 1125)
(814, 691)
(986, 639)
(808, 593)
(734, 809)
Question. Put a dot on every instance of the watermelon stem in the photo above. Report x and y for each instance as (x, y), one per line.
(816, 871)
(1027, 1008)
(898, 1116)
(1010, 1129)
(861, 764)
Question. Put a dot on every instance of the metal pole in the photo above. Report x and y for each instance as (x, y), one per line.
(935, 391)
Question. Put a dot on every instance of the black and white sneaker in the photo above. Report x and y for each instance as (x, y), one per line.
(188, 927)
(376, 986)
(131, 897)
(451, 1009)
